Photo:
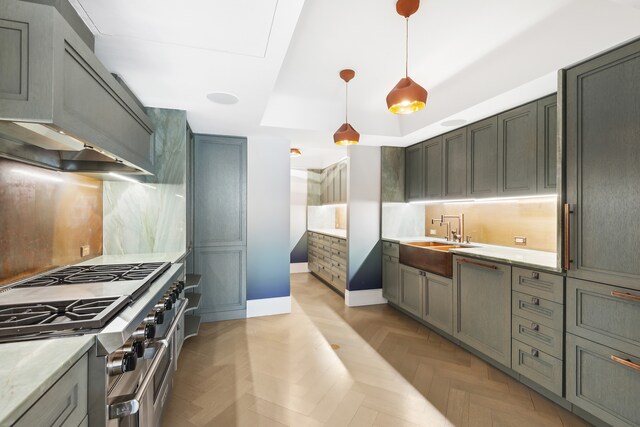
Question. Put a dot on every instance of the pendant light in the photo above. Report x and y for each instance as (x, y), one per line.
(407, 96)
(295, 152)
(346, 134)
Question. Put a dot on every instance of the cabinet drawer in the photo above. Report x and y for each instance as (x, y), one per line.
(339, 282)
(325, 272)
(605, 314)
(601, 385)
(340, 247)
(539, 310)
(391, 249)
(537, 365)
(338, 241)
(539, 284)
(64, 404)
(539, 336)
(339, 265)
(340, 254)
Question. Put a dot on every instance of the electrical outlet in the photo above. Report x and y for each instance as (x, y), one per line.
(85, 250)
(432, 232)
(519, 240)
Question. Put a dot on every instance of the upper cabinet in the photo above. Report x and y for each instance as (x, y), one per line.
(517, 151)
(51, 78)
(511, 154)
(333, 184)
(454, 164)
(482, 158)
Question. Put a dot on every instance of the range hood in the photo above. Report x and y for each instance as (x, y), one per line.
(59, 106)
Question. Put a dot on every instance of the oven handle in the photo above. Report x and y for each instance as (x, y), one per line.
(132, 406)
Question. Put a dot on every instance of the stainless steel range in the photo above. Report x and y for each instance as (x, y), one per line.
(134, 311)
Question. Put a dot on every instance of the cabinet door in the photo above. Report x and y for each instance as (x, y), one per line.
(324, 191)
(547, 144)
(343, 182)
(454, 164)
(482, 309)
(390, 277)
(603, 154)
(600, 382)
(331, 177)
(432, 173)
(411, 289)
(337, 196)
(220, 191)
(224, 283)
(437, 307)
(482, 158)
(517, 151)
(413, 172)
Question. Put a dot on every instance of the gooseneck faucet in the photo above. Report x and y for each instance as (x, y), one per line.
(455, 235)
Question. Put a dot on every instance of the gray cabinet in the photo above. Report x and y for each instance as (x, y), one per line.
(64, 404)
(482, 158)
(454, 164)
(482, 307)
(220, 200)
(517, 151)
(411, 290)
(333, 184)
(603, 154)
(432, 174)
(331, 179)
(437, 304)
(414, 172)
(603, 381)
(547, 144)
(49, 75)
(390, 278)
(343, 173)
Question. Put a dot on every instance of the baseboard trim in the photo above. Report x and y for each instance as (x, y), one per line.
(222, 315)
(365, 297)
(268, 306)
(298, 267)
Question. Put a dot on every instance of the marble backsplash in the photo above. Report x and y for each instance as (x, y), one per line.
(45, 217)
(151, 217)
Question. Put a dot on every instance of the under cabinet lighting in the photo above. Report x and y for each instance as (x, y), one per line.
(37, 175)
(539, 197)
(128, 179)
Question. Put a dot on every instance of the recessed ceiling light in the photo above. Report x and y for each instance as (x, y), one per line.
(222, 98)
(454, 122)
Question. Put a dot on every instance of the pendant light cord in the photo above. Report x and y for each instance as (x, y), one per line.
(346, 103)
(406, 52)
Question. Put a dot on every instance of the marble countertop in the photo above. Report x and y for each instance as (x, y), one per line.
(171, 257)
(335, 232)
(503, 254)
(30, 368)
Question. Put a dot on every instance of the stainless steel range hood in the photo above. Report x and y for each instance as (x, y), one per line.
(60, 108)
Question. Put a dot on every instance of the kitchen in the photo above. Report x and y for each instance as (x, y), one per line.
(187, 240)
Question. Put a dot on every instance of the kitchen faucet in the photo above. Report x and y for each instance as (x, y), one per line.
(455, 234)
(442, 222)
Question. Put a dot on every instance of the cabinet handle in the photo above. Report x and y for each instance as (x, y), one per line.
(626, 362)
(535, 275)
(535, 301)
(534, 352)
(567, 236)
(535, 327)
(634, 298)
(478, 264)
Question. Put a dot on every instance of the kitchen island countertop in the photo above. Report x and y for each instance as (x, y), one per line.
(334, 232)
(30, 368)
(515, 256)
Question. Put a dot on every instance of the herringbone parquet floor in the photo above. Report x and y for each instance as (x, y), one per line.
(329, 365)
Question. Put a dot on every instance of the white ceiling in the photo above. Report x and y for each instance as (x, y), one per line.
(282, 58)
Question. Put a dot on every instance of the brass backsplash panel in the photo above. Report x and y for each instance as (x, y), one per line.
(45, 216)
(497, 223)
(341, 217)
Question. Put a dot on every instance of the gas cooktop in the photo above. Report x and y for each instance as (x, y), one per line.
(96, 274)
(41, 320)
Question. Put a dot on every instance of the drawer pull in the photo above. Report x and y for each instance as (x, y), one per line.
(626, 362)
(478, 264)
(623, 295)
(535, 275)
(534, 352)
(535, 327)
(535, 301)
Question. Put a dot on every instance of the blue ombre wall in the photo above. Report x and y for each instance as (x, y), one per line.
(268, 192)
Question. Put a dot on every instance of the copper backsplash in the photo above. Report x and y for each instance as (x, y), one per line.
(45, 217)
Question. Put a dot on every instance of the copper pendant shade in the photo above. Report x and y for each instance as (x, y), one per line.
(407, 96)
(346, 134)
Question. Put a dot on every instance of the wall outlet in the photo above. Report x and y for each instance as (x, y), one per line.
(519, 240)
(85, 250)
(432, 232)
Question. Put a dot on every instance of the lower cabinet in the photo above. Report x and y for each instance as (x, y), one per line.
(538, 366)
(482, 307)
(437, 304)
(411, 290)
(603, 381)
(390, 278)
(64, 404)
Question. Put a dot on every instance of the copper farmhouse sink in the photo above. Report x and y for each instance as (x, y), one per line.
(434, 257)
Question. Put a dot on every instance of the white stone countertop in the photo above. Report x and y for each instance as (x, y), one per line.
(334, 232)
(503, 254)
(134, 258)
(30, 368)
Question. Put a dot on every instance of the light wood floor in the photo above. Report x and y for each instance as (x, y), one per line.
(326, 364)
